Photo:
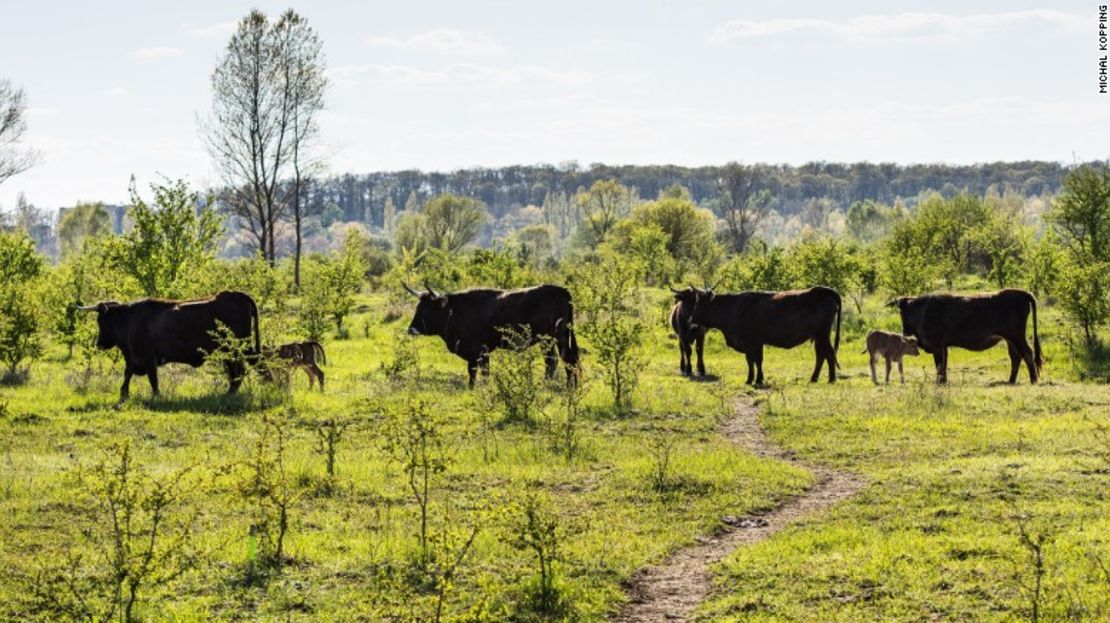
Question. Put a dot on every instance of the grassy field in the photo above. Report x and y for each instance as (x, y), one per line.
(933, 536)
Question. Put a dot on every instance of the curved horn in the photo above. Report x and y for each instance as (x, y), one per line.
(410, 290)
(430, 290)
(892, 302)
(672, 289)
(86, 307)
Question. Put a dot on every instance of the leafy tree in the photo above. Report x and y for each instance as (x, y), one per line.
(1083, 292)
(533, 244)
(761, 268)
(19, 318)
(1004, 241)
(334, 282)
(868, 221)
(824, 261)
(907, 272)
(83, 221)
(943, 230)
(447, 222)
(170, 242)
(1081, 212)
(688, 233)
(600, 208)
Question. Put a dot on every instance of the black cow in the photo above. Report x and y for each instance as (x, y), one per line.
(152, 332)
(751, 320)
(471, 322)
(975, 322)
(688, 336)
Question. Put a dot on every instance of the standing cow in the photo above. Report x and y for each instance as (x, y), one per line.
(153, 332)
(751, 320)
(688, 335)
(976, 322)
(472, 322)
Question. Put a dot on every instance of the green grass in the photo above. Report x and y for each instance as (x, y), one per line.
(931, 537)
(951, 470)
(352, 550)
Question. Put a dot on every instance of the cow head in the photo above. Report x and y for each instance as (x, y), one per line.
(700, 300)
(106, 313)
(911, 310)
(432, 312)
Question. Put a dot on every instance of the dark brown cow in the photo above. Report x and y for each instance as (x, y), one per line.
(472, 322)
(688, 336)
(153, 332)
(975, 322)
(751, 320)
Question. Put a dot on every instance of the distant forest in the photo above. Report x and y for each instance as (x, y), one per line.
(364, 198)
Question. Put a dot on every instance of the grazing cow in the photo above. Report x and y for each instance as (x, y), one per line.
(751, 320)
(472, 322)
(688, 335)
(153, 332)
(975, 322)
(303, 355)
(891, 346)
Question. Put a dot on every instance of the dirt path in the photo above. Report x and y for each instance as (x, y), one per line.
(672, 590)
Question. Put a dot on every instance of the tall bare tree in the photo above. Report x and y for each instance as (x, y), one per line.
(304, 80)
(739, 204)
(266, 90)
(14, 158)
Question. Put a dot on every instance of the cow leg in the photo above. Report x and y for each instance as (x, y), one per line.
(483, 365)
(759, 367)
(684, 356)
(888, 369)
(235, 371)
(940, 360)
(319, 375)
(551, 362)
(871, 362)
(152, 376)
(1015, 361)
(751, 368)
(701, 348)
(125, 389)
(1027, 354)
(901, 375)
(820, 356)
(472, 371)
(309, 374)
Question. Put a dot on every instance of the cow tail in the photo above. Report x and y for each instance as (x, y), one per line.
(572, 340)
(1037, 356)
(320, 353)
(257, 337)
(836, 344)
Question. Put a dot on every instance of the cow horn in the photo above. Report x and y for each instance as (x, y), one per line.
(410, 290)
(87, 307)
(430, 290)
(892, 302)
(673, 290)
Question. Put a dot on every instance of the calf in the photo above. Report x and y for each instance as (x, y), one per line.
(303, 355)
(892, 346)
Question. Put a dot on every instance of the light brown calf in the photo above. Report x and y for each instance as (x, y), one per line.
(303, 355)
(892, 346)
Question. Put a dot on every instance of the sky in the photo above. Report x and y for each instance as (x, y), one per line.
(117, 89)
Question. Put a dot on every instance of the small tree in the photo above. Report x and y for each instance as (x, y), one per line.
(19, 301)
(170, 243)
(14, 157)
(81, 222)
(536, 528)
(609, 299)
(516, 383)
(137, 537)
(1084, 294)
(413, 436)
(599, 208)
(334, 282)
(266, 486)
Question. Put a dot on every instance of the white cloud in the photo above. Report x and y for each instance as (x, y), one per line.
(462, 74)
(114, 91)
(221, 29)
(910, 25)
(441, 41)
(158, 53)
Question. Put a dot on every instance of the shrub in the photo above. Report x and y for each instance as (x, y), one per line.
(536, 528)
(610, 302)
(265, 486)
(517, 386)
(139, 540)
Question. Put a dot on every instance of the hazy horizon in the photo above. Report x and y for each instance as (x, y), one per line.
(116, 89)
